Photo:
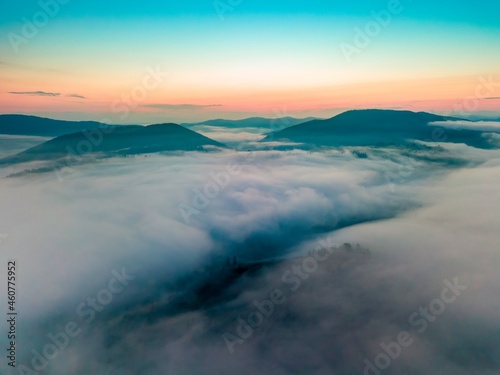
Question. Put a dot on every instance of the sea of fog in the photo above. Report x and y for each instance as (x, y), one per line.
(123, 264)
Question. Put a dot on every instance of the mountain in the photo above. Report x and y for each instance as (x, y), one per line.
(118, 140)
(253, 122)
(376, 127)
(44, 127)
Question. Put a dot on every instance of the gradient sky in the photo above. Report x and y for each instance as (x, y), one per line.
(269, 58)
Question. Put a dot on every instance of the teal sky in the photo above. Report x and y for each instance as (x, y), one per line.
(482, 14)
(257, 58)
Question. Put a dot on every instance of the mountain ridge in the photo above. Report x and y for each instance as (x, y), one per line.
(18, 124)
(258, 122)
(119, 140)
(377, 126)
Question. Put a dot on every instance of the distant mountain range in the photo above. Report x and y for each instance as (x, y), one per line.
(370, 127)
(378, 127)
(44, 127)
(118, 140)
(253, 122)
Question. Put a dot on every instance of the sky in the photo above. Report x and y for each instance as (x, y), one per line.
(193, 60)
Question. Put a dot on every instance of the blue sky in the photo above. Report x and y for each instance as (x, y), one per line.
(262, 56)
(482, 14)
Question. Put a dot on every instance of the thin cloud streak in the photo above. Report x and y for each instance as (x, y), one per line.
(76, 96)
(35, 93)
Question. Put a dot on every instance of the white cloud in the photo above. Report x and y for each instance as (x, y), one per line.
(477, 125)
(124, 212)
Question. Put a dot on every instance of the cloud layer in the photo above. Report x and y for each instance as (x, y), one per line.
(427, 216)
(477, 125)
